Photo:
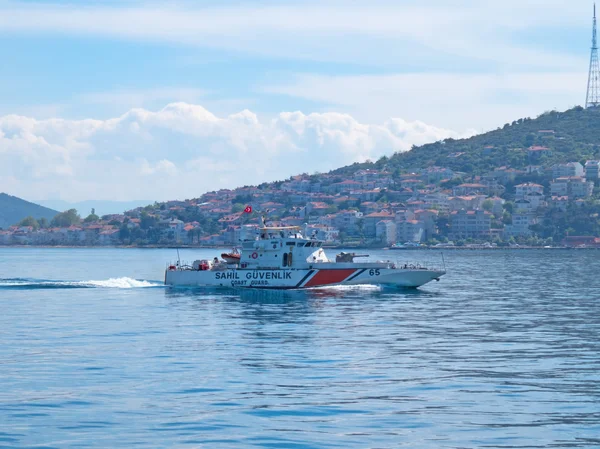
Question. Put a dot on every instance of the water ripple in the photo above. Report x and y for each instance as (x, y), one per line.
(503, 353)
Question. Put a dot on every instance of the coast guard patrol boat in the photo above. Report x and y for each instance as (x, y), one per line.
(281, 258)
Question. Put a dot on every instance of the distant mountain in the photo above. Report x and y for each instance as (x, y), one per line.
(101, 207)
(13, 210)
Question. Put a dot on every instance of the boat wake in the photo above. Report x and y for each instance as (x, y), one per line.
(369, 287)
(33, 284)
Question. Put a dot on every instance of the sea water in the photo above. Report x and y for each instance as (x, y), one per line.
(503, 352)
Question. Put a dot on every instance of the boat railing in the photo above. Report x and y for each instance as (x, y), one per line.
(179, 265)
(425, 266)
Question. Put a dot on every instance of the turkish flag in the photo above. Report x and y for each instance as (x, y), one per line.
(248, 210)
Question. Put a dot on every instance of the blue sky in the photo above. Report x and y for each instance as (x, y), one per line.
(457, 66)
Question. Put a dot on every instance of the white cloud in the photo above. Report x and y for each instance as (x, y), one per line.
(376, 32)
(456, 101)
(183, 150)
(141, 97)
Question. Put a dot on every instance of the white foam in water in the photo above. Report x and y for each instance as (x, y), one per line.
(123, 282)
(119, 283)
(350, 287)
(4, 283)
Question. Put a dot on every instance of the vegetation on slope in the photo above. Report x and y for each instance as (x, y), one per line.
(13, 210)
(571, 136)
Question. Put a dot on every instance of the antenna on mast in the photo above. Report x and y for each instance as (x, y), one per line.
(592, 98)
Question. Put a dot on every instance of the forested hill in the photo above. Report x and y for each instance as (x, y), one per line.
(569, 136)
(13, 210)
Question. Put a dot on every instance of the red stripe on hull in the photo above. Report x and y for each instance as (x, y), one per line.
(327, 277)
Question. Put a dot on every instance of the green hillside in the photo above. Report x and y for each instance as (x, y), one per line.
(573, 135)
(13, 210)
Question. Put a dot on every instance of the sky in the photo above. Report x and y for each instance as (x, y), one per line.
(131, 99)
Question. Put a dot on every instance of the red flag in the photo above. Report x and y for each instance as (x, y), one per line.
(248, 210)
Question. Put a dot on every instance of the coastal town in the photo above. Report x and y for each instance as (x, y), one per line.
(377, 207)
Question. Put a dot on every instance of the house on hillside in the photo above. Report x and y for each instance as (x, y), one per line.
(109, 237)
(370, 222)
(520, 226)
(385, 232)
(437, 174)
(470, 189)
(522, 190)
(321, 232)
(346, 221)
(570, 169)
(346, 186)
(470, 224)
(592, 171)
(503, 175)
(536, 152)
(410, 231)
(429, 219)
(468, 202)
(572, 187)
(317, 208)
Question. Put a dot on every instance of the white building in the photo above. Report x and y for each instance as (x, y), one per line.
(528, 188)
(497, 205)
(385, 231)
(437, 201)
(523, 206)
(470, 224)
(326, 233)
(560, 187)
(536, 200)
(410, 231)
(469, 202)
(573, 187)
(580, 188)
(592, 170)
(567, 170)
(346, 220)
(520, 225)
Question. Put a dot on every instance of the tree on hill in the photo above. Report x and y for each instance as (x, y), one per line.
(147, 221)
(65, 219)
(237, 207)
(92, 217)
(488, 205)
(30, 221)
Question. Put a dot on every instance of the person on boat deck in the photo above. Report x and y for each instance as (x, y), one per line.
(216, 260)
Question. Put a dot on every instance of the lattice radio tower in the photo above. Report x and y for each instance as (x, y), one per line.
(592, 98)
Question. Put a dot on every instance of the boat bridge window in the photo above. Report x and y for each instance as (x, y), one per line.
(290, 243)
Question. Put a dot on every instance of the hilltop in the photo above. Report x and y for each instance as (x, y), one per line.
(553, 137)
(13, 210)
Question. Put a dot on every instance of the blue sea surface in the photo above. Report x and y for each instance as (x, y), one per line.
(503, 352)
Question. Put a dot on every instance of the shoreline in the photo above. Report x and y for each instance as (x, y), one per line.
(341, 247)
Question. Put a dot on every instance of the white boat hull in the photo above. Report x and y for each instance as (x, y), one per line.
(302, 278)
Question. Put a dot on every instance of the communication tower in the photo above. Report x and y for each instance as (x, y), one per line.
(592, 98)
